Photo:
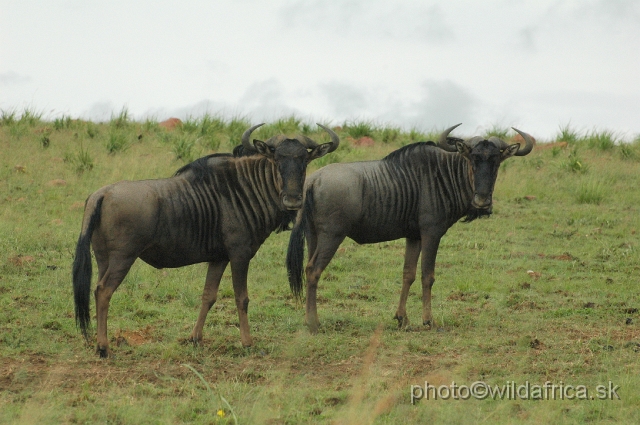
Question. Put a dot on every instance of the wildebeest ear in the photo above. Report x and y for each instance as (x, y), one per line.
(463, 149)
(318, 151)
(263, 148)
(510, 151)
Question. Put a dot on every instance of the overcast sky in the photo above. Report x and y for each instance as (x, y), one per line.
(537, 65)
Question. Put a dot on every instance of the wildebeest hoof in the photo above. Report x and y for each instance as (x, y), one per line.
(103, 352)
(190, 341)
(428, 323)
(403, 321)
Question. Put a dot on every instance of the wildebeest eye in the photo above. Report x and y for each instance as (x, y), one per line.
(272, 149)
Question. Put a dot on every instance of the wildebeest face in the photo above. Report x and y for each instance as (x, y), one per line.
(291, 158)
(485, 158)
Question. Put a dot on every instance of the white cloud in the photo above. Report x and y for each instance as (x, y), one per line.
(12, 78)
(415, 21)
(345, 100)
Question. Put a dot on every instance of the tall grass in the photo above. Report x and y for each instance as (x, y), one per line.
(603, 140)
(498, 131)
(8, 117)
(121, 120)
(390, 134)
(61, 123)
(118, 140)
(590, 192)
(80, 161)
(567, 134)
(236, 127)
(183, 148)
(358, 129)
(573, 163)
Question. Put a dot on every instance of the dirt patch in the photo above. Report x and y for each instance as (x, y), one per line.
(76, 205)
(462, 296)
(21, 260)
(134, 338)
(56, 182)
(363, 142)
(562, 257)
(560, 145)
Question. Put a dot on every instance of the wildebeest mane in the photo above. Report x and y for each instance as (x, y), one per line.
(397, 155)
(200, 166)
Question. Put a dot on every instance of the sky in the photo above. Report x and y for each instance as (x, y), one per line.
(536, 65)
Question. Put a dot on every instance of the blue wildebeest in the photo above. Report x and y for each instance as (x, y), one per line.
(218, 209)
(416, 192)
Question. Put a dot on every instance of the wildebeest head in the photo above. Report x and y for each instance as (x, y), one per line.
(484, 156)
(291, 156)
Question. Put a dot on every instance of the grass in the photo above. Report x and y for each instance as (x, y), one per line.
(358, 129)
(567, 134)
(603, 140)
(118, 140)
(498, 131)
(544, 290)
(591, 192)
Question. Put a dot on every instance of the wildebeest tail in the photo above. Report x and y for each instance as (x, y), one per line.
(82, 264)
(295, 252)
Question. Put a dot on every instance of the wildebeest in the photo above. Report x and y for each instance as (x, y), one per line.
(417, 192)
(218, 209)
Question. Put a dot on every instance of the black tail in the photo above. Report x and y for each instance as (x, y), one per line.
(295, 252)
(82, 270)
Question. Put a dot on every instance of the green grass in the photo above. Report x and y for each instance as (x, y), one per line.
(498, 131)
(567, 134)
(543, 290)
(358, 129)
(603, 140)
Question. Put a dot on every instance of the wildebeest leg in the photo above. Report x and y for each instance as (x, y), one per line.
(209, 296)
(411, 255)
(239, 270)
(430, 245)
(112, 278)
(325, 249)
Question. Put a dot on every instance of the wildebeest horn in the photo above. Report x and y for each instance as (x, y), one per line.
(245, 137)
(335, 140)
(528, 140)
(442, 141)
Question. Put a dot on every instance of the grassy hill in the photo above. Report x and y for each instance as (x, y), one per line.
(546, 289)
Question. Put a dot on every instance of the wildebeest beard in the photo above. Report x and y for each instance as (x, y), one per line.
(473, 213)
(288, 217)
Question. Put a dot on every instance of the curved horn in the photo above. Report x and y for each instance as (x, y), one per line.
(335, 140)
(528, 140)
(442, 141)
(245, 137)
